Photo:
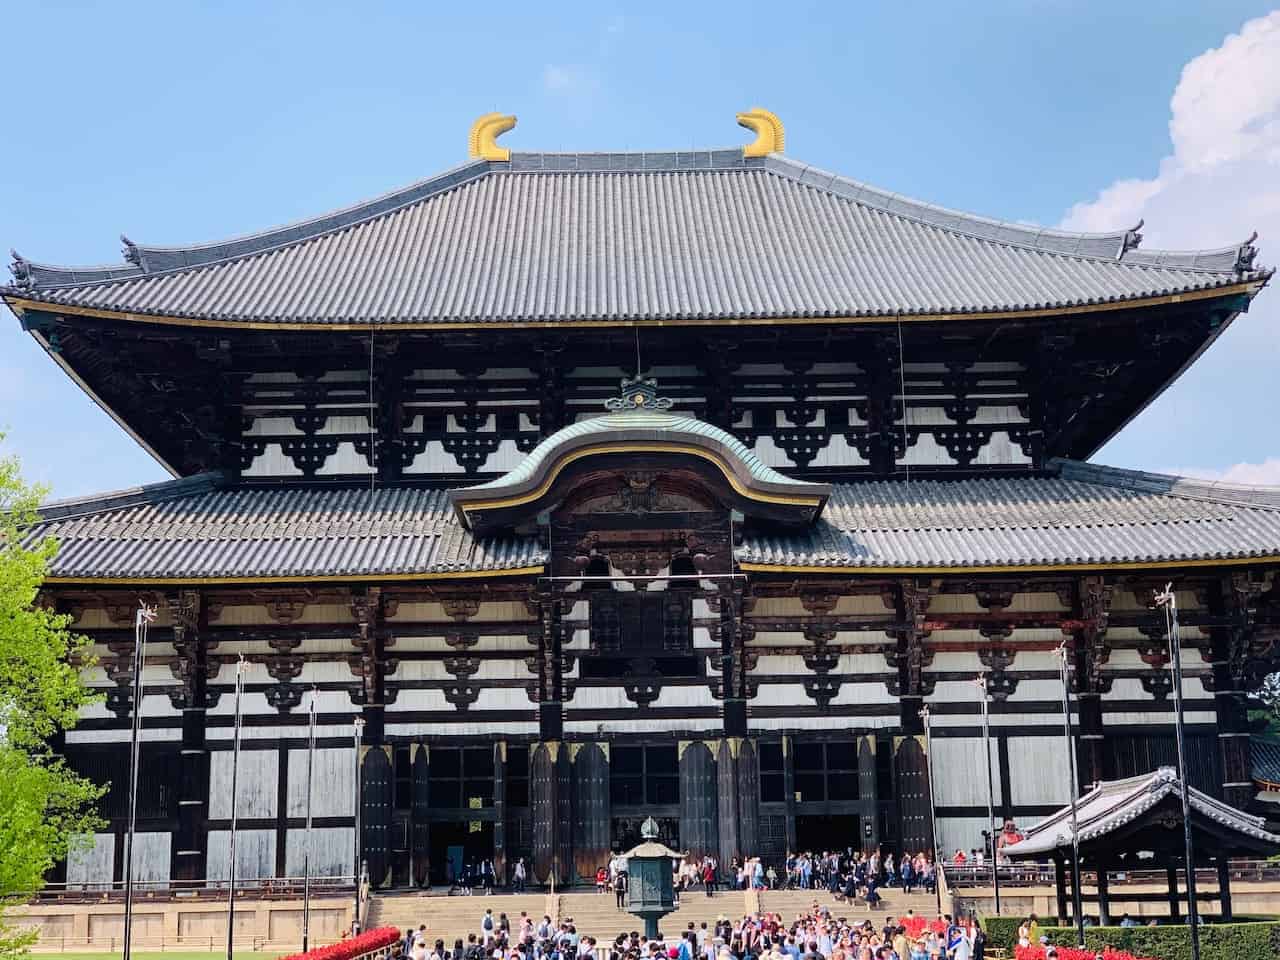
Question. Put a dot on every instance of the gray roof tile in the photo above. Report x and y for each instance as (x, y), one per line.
(1084, 515)
(698, 235)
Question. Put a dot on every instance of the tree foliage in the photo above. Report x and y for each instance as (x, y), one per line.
(43, 804)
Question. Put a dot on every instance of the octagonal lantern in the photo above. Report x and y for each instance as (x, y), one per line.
(650, 887)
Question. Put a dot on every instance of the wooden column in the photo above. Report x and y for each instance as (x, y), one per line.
(420, 811)
(733, 669)
(189, 857)
(549, 660)
(590, 807)
(1104, 903)
(699, 823)
(500, 812)
(1235, 599)
(1171, 874)
(868, 801)
(1224, 888)
(789, 788)
(1060, 885)
(727, 785)
(1093, 606)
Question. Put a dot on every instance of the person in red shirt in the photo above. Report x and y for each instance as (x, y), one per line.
(960, 857)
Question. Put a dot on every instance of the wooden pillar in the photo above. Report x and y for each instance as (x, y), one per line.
(1171, 874)
(590, 807)
(868, 801)
(1234, 598)
(420, 811)
(727, 796)
(789, 789)
(500, 812)
(699, 826)
(377, 783)
(1060, 884)
(550, 685)
(1104, 905)
(1224, 888)
(543, 784)
(733, 669)
(189, 859)
(748, 786)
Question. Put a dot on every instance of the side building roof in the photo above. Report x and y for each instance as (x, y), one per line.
(699, 236)
(1083, 517)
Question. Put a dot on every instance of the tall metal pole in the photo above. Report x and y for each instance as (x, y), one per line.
(981, 683)
(358, 733)
(1169, 600)
(235, 772)
(1076, 899)
(933, 816)
(306, 852)
(141, 620)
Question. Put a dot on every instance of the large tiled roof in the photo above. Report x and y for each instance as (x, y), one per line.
(1113, 804)
(192, 529)
(1085, 515)
(621, 237)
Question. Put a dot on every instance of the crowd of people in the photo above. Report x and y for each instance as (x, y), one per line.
(816, 934)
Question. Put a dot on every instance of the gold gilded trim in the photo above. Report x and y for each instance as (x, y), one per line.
(607, 448)
(1009, 568)
(322, 578)
(22, 303)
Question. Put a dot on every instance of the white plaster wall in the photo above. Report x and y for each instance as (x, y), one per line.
(257, 784)
(332, 851)
(1039, 770)
(151, 857)
(333, 787)
(255, 854)
(95, 864)
(962, 832)
(960, 773)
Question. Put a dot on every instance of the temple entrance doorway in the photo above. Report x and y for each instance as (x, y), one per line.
(457, 848)
(815, 834)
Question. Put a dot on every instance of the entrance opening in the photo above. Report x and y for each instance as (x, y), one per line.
(457, 849)
(828, 832)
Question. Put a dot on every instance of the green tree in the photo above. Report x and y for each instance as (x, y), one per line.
(43, 804)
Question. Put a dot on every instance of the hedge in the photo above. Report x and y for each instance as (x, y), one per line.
(1218, 941)
(352, 947)
(1002, 932)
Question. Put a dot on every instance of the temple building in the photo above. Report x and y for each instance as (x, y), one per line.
(611, 485)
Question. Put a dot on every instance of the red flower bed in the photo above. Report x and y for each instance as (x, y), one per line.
(355, 946)
(1074, 953)
(916, 926)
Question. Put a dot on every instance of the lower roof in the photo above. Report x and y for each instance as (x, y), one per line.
(1078, 516)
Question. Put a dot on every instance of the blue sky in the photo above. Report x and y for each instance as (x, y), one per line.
(185, 122)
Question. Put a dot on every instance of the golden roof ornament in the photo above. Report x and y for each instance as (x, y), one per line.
(770, 137)
(482, 143)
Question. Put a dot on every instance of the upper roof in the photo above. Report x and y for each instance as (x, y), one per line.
(1084, 517)
(699, 236)
(1114, 804)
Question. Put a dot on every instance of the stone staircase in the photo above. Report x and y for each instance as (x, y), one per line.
(449, 918)
(789, 903)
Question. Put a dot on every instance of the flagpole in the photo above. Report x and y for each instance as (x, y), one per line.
(981, 683)
(141, 620)
(358, 733)
(1077, 877)
(235, 770)
(933, 816)
(1169, 600)
(306, 854)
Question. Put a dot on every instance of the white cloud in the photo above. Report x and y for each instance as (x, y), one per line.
(1220, 183)
(1266, 473)
(1225, 128)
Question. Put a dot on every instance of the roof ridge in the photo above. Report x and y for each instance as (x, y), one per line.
(72, 507)
(1261, 496)
(1112, 246)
